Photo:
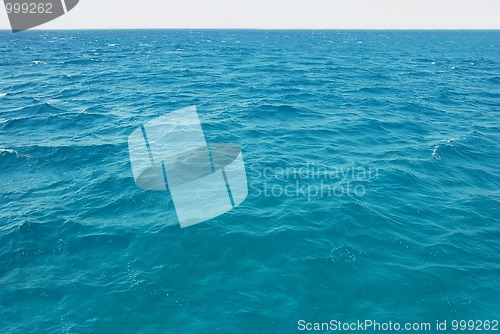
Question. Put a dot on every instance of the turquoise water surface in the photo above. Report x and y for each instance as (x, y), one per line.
(372, 163)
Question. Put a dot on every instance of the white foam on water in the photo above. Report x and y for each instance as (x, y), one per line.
(449, 140)
(3, 94)
(5, 151)
(435, 153)
(38, 62)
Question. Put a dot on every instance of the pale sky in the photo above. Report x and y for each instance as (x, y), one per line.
(315, 14)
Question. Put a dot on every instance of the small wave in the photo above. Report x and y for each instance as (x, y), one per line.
(83, 61)
(6, 151)
(38, 62)
(423, 60)
(41, 109)
(435, 152)
(495, 80)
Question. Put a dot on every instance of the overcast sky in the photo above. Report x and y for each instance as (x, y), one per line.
(333, 14)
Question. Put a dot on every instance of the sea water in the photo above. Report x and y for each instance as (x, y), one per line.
(372, 165)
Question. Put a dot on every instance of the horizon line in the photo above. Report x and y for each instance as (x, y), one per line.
(268, 29)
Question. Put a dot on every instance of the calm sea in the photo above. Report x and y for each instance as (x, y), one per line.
(372, 163)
